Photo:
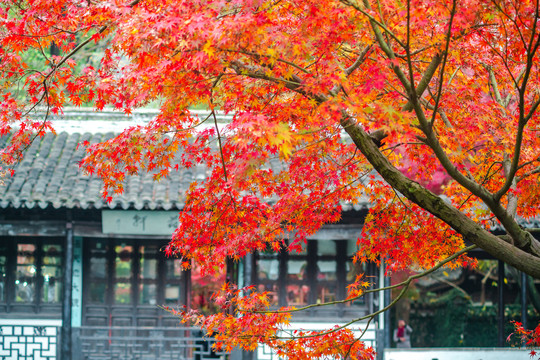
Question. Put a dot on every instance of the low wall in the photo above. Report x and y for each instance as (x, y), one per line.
(265, 353)
(29, 339)
(457, 353)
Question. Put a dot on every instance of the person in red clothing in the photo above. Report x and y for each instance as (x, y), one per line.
(402, 335)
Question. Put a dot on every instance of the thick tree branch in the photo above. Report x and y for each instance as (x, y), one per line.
(522, 240)
(512, 169)
(495, 87)
(471, 231)
(425, 80)
(415, 105)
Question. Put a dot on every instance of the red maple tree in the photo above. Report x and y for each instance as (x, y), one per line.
(428, 108)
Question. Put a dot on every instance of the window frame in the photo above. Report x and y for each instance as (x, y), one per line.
(9, 249)
(312, 257)
(110, 312)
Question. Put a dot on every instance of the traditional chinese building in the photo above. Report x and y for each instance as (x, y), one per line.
(83, 279)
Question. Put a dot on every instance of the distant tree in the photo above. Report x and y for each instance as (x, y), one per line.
(428, 108)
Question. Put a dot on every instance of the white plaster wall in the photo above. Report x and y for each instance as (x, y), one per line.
(265, 353)
(28, 339)
(457, 354)
(31, 322)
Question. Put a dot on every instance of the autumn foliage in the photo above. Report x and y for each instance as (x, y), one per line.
(530, 338)
(427, 108)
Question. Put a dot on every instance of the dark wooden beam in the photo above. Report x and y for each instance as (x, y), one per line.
(66, 300)
(500, 289)
(524, 304)
(33, 228)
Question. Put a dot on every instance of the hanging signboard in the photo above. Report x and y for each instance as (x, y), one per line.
(133, 222)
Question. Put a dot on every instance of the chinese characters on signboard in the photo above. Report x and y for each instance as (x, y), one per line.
(132, 222)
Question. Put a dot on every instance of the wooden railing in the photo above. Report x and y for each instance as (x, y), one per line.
(146, 343)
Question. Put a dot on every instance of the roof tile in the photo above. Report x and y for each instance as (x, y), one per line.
(50, 176)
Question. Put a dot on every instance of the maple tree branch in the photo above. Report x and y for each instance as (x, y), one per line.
(415, 52)
(425, 80)
(532, 110)
(372, 19)
(441, 112)
(259, 73)
(392, 148)
(501, 10)
(413, 91)
(220, 145)
(81, 45)
(250, 53)
(531, 49)
(504, 60)
(387, 49)
(433, 142)
(445, 57)
(418, 194)
(522, 240)
(42, 52)
(358, 338)
(512, 199)
(404, 285)
(455, 286)
(359, 60)
(527, 174)
(75, 50)
(494, 86)
(296, 85)
(512, 170)
(523, 118)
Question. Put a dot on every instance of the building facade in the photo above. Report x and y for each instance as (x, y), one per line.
(84, 279)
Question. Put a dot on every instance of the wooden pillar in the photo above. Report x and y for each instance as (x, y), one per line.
(383, 299)
(247, 273)
(500, 289)
(524, 299)
(76, 297)
(65, 346)
(248, 270)
(387, 319)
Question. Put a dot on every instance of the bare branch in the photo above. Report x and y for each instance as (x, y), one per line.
(520, 256)
(374, 21)
(404, 285)
(495, 87)
(445, 56)
(358, 62)
(523, 118)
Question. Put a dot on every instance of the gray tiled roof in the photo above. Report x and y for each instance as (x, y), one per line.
(50, 175)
